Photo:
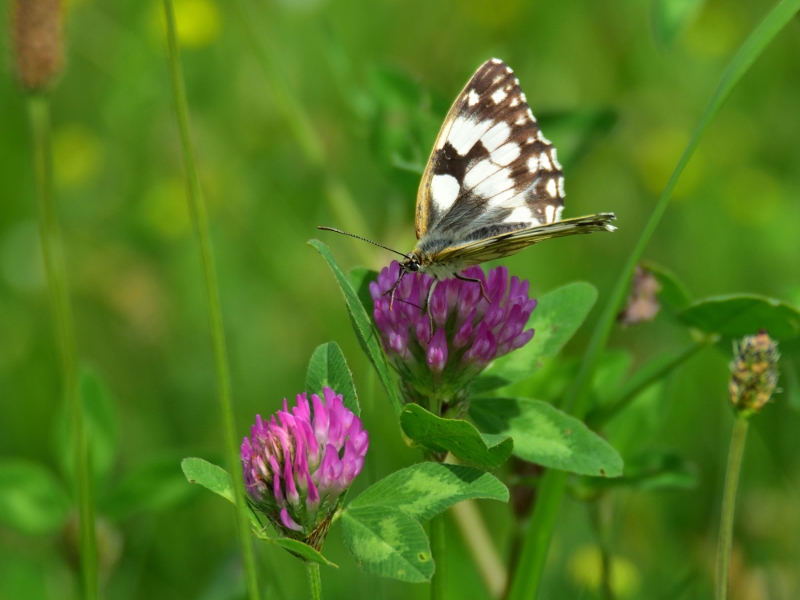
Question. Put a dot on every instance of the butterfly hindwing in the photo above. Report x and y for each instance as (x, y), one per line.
(491, 169)
(500, 243)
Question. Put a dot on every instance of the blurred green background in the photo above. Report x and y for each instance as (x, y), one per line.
(308, 112)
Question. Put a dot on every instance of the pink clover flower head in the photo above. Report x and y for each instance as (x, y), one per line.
(468, 332)
(297, 466)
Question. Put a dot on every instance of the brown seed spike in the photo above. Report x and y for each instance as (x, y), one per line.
(38, 48)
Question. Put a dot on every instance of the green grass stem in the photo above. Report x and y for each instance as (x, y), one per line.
(200, 222)
(314, 581)
(735, 454)
(56, 273)
(438, 550)
(535, 548)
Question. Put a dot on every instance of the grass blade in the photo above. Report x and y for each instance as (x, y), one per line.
(200, 221)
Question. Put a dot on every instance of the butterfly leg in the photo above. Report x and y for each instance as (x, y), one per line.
(474, 280)
(394, 288)
(428, 303)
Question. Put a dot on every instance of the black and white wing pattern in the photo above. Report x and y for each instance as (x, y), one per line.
(491, 171)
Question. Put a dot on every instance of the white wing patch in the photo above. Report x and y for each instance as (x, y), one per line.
(521, 214)
(499, 95)
(506, 154)
(466, 132)
(551, 188)
(495, 136)
(444, 189)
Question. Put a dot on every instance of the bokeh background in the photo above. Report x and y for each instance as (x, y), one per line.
(308, 112)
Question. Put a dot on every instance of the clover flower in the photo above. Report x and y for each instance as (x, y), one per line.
(468, 332)
(754, 372)
(297, 466)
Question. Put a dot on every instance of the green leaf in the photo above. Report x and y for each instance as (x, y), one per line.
(101, 422)
(738, 315)
(32, 500)
(544, 435)
(791, 375)
(155, 486)
(329, 368)
(424, 490)
(360, 278)
(555, 319)
(388, 542)
(456, 436)
(302, 550)
(362, 325)
(610, 374)
(215, 479)
(673, 295)
(651, 471)
(672, 17)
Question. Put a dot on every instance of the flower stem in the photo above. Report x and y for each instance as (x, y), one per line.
(729, 504)
(56, 272)
(596, 510)
(438, 547)
(481, 547)
(200, 222)
(314, 581)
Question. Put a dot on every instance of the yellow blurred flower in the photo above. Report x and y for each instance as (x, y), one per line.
(657, 154)
(164, 208)
(77, 155)
(198, 22)
(585, 569)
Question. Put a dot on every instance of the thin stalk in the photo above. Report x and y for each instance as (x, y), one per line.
(535, 549)
(735, 454)
(601, 416)
(56, 272)
(481, 547)
(200, 222)
(438, 548)
(606, 558)
(314, 581)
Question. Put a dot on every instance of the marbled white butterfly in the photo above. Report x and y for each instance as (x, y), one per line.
(493, 184)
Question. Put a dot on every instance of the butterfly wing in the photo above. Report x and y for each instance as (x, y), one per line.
(489, 245)
(490, 165)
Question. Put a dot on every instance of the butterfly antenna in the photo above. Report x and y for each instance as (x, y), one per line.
(363, 239)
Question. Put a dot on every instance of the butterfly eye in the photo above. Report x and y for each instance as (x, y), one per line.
(412, 265)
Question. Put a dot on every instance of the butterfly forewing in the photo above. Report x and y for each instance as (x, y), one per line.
(491, 170)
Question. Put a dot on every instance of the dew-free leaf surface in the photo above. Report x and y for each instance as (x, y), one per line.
(456, 436)
(32, 500)
(424, 490)
(738, 315)
(328, 367)
(556, 318)
(362, 325)
(544, 435)
(388, 542)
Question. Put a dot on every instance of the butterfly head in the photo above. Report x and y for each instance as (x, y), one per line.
(411, 263)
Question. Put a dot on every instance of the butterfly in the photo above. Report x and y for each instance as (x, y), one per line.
(492, 186)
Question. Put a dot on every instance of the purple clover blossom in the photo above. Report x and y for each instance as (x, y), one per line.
(297, 466)
(468, 332)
